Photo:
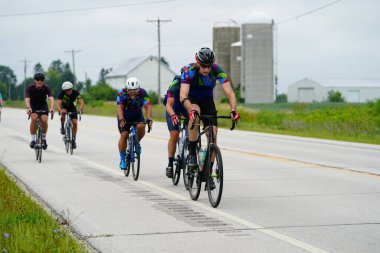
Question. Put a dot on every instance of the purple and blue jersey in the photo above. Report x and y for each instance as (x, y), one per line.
(202, 86)
(173, 92)
(132, 106)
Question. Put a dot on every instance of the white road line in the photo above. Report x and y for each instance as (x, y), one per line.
(305, 246)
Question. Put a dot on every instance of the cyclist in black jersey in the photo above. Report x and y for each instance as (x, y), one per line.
(196, 94)
(66, 99)
(35, 99)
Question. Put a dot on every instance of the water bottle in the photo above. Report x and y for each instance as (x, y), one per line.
(202, 157)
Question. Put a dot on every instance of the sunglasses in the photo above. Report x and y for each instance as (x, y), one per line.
(39, 80)
(133, 90)
(205, 65)
(69, 90)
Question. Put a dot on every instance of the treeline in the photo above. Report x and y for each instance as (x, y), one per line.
(57, 73)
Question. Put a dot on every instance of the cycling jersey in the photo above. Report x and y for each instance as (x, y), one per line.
(68, 100)
(38, 96)
(202, 86)
(173, 92)
(1, 98)
(132, 106)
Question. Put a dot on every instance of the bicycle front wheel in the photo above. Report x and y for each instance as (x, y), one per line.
(177, 170)
(135, 163)
(194, 182)
(38, 148)
(183, 165)
(214, 176)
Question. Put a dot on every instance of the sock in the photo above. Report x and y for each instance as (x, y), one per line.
(33, 137)
(122, 155)
(171, 159)
(43, 136)
(193, 146)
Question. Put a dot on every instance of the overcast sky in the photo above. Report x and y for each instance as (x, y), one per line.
(340, 41)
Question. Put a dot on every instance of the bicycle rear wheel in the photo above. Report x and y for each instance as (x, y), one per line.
(135, 162)
(214, 176)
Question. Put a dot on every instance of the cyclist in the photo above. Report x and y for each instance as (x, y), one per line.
(35, 99)
(174, 109)
(65, 104)
(130, 101)
(197, 84)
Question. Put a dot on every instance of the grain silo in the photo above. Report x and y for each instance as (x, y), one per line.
(257, 66)
(224, 34)
(235, 61)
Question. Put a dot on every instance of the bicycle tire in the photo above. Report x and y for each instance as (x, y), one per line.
(194, 182)
(177, 170)
(67, 138)
(214, 195)
(136, 158)
(39, 147)
(183, 165)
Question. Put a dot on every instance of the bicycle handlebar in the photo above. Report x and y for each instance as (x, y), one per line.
(136, 123)
(213, 117)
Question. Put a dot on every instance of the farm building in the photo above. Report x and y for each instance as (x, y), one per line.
(145, 69)
(316, 90)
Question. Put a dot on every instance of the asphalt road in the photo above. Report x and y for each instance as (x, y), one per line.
(281, 193)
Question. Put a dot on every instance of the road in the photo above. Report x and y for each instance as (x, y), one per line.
(281, 194)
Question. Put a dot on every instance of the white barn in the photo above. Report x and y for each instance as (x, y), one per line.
(316, 90)
(143, 68)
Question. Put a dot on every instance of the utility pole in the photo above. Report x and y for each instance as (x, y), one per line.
(25, 66)
(72, 51)
(158, 20)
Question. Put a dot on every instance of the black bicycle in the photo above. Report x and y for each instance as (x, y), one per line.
(134, 151)
(181, 153)
(211, 171)
(68, 128)
(39, 143)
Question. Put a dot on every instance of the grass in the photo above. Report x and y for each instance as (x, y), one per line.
(27, 227)
(335, 121)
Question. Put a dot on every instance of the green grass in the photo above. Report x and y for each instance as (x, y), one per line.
(27, 227)
(335, 121)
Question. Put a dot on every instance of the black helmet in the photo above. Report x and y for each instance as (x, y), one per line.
(205, 55)
(39, 76)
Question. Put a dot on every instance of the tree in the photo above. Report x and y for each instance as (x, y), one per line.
(335, 96)
(9, 79)
(38, 68)
(102, 75)
(282, 98)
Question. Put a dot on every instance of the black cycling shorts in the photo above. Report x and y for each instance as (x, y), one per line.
(74, 112)
(42, 107)
(207, 106)
(127, 127)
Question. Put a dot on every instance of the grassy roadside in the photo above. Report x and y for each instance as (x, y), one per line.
(27, 227)
(334, 121)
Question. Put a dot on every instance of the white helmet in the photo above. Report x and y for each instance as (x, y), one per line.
(67, 85)
(132, 83)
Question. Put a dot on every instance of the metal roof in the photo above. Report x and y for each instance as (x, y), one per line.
(345, 82)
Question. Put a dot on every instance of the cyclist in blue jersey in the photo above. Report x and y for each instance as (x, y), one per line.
(174, 109)
(197, 85)
(130, 101)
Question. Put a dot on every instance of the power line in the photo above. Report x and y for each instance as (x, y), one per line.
(309, 12)
(25, 66)
(83, 9)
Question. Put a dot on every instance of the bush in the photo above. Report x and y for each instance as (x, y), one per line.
(335, 96)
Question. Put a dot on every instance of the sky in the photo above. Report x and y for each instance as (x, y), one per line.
(339, 41)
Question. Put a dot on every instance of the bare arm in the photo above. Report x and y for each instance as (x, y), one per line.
(81, 104)
(59, 104)
(120, 113)
(148, 110)
(169, 106)
(51, 100)
(27, 103)
(183, 95)
(230, 95)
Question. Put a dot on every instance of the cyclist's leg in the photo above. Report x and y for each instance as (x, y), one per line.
(140, 127)
(74, 120)
(122, 144)
(63, 118)
(193, 135)
(44, 120)
(33, 129)
(172, 144)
